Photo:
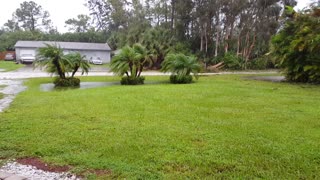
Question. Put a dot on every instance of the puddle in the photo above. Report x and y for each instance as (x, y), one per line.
(268, 78)
(87, 85)
(83, 85)
(10, 88)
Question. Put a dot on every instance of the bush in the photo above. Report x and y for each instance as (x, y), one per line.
(297, 47)
(132, 80)
(233, 62)
(186, 79)
(67, 82)
(181, 68)
(263, 62)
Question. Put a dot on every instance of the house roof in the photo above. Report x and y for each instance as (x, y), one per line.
(64, 45)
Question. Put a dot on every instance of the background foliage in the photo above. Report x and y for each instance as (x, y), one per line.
(297, 47)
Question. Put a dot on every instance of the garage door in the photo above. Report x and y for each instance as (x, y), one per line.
(27, 52)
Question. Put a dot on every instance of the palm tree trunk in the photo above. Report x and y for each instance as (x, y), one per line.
(74, 71)
(60, 72)
(140, 70)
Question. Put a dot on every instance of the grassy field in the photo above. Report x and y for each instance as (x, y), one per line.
(9, 65)
(219, 127)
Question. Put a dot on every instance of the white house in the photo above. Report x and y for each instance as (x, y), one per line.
(91, 51)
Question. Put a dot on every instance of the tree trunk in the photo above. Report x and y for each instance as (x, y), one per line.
(217, 44)
(173, 6)
(217, 35)
(166, 12)
(201, 38)
(206, 36)
(74, 71)
(239, 44)
(140, 71)
(60, 72)
(32, 24)
(226, 40)
(251, 47)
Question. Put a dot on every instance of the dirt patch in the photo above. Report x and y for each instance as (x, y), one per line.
(39, 164)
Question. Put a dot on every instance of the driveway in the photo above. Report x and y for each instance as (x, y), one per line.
(29, 71)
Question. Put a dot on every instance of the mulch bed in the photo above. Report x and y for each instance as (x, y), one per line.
(39, 164)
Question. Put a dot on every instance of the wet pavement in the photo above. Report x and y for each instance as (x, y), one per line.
(29, 71)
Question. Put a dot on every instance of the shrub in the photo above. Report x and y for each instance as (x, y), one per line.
(233, 62)
(181, 67)
(263, 62)
(131, 62)
(175, 79)
(132, 80)
(67, 82)
(297, 47)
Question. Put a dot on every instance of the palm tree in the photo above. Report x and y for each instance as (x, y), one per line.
(54, 61)
(130, 61)
(158, 41)
(181, 67)
(77, 61)
(142, 58)
(51, 57)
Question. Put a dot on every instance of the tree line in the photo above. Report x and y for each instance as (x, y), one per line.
(212, 29)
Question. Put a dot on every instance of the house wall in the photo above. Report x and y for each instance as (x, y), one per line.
(102, 55)
(105, 56)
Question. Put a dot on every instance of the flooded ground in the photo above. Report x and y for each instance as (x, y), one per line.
(267, 78)
(87, 85)
(83, 85)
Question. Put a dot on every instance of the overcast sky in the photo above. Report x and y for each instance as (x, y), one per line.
(61, 10)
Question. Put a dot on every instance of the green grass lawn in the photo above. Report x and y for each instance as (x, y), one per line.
(9, 65)
(219, 127)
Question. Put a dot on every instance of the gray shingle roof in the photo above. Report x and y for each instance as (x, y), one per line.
(64, 45)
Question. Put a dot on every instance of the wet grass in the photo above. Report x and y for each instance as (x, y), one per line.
(9, 66)
(1, 95)
(221, 127)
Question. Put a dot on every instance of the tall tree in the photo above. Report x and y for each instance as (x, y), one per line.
(11, 25)
(30, 16)
(109, 14)
(81, 24)
(211, 28)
